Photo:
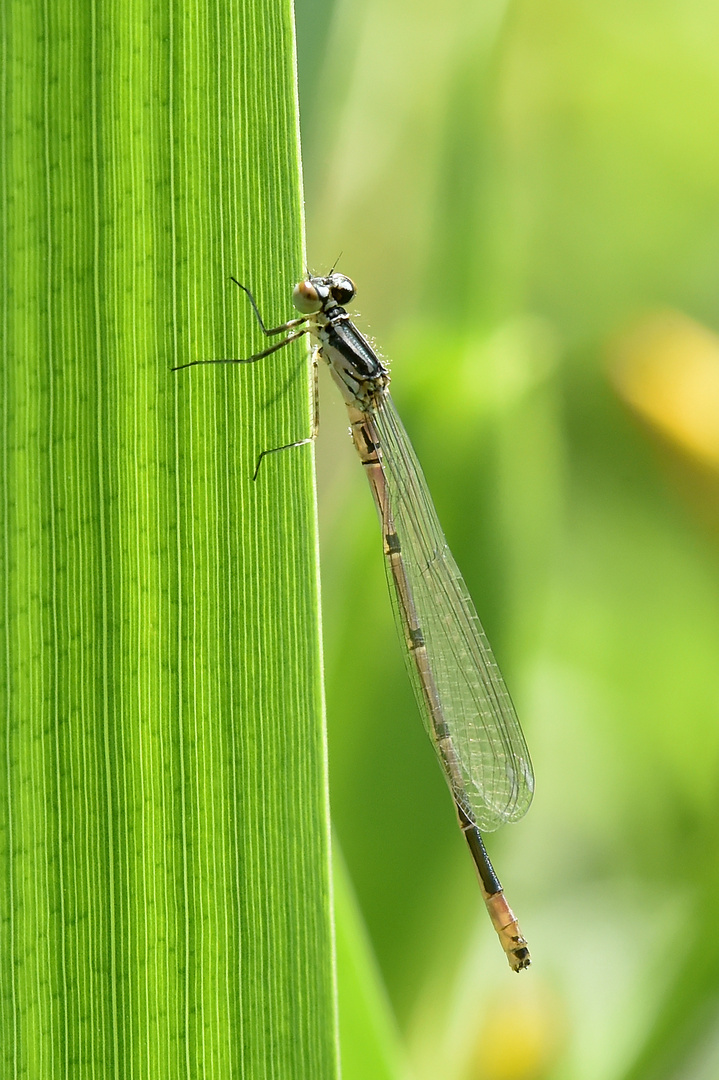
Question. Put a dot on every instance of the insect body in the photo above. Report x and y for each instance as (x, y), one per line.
(464, 702)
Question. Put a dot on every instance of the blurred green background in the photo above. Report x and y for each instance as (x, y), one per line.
(527, 195)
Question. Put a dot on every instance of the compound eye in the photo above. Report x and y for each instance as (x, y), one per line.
(306, 298)
(342, 289)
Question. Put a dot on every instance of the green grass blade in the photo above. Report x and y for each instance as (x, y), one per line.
(369, 1039)
(164, 835)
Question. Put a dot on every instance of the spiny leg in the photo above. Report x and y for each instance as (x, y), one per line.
(315, 416)
(275, 329)
(257, 356)
(289, 325)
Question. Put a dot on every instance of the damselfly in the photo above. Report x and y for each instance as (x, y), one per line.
(464, 702)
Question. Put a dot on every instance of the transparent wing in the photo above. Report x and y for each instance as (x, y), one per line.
(490, 772)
